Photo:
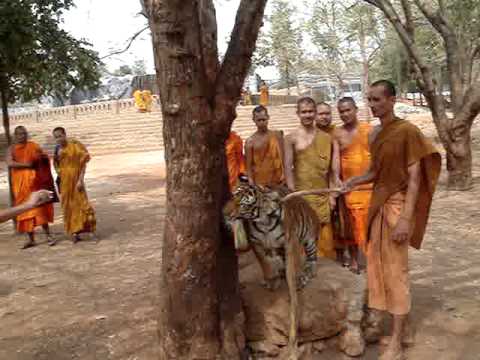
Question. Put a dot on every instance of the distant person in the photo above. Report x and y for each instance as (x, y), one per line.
(264, 94)
(264, 152)
(140, 103)
(70, 163)
(147, 100)
(324, 118)
(404, 170)
(352, 137)
(35, 199)
(30, 171)
(235, 158)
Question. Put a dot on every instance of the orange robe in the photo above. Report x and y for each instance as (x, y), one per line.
(264, 95)
(395, 148)
(25, 181)
(355, 161)
(268, 163)
(78, 214)
(235, 158)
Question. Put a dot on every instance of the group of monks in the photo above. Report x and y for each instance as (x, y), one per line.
(30, 172)
(143, 100)
(381, 181)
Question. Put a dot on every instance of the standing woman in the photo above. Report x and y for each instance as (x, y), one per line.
(70, 163)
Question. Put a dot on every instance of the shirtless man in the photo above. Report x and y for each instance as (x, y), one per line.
(311, 157)
(352, 137)
(264, 152)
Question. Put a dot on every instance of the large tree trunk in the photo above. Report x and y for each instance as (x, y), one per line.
(200, 311)
(5, 116)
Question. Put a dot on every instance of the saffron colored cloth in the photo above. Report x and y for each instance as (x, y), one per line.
(264, 95)
(267, 162)
(387, 261)
(355, 161)
(78, 214)
(312, 167)
(235, 158)
(25, 181)
(395, 148)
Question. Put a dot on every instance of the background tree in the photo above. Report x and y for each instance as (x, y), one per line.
(139, 67)
(123, 70)
(37, 57)
(456, 23)
(285, 42)
(200, 310)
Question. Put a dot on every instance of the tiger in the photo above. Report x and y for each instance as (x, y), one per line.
(277, 230)
(269, 223)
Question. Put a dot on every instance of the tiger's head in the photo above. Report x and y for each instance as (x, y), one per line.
(251, 202)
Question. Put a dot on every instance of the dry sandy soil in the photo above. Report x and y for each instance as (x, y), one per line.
(97, 300)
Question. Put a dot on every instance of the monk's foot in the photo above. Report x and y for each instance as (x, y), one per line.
(95, 237)
(76, 238)
(407, 340)
(28, 244)
(353, 266)
(51, 240)
(393, 352)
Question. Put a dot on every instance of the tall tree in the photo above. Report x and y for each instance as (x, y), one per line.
(285, 40)
(456, 23)
(37, 57)
(200, 311)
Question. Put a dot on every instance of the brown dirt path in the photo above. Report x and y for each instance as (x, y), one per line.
(97, 301)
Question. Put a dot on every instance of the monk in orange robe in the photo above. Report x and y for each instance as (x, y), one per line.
(355, 161)
(28, 171)
(264, 94)
(235, 158)
(405, 169)
(71, 158)
(264, 152)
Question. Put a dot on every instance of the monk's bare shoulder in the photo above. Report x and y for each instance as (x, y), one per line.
(291, 137)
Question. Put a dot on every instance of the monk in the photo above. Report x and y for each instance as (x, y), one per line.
(324, 118)
(352, 137)
(264, 94)
(310, 158)
(235, 158)
(139, 101)
(70, 163)
(404, 171)
(30, 167)
(264, 152)
(147, 100)
(324, 123)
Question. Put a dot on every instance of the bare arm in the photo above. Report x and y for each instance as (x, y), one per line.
(249, 160)
(36, 198)
(289, 154)
(402, 229)
(335, 164)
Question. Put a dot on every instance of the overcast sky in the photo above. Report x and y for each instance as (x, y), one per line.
(109, 24)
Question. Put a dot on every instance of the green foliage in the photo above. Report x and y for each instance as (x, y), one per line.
(123, 70)
(285, 41)
(37, 57)
(139, 67)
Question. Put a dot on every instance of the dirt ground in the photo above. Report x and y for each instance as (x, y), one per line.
(97, 300)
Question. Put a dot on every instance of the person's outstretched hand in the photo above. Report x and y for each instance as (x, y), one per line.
(38, 198)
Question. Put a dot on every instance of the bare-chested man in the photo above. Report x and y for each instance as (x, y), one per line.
(310, 160)
(264, 152)
(352, 137)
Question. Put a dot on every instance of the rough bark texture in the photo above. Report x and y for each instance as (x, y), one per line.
(5, 116)
(200, 310)
(454, 132)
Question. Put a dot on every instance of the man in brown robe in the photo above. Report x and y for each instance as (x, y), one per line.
(404, 170)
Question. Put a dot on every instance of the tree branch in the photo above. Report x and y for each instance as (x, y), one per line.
(237, 59)
(130, 42)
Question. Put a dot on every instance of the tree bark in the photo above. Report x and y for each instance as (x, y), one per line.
(5, 115)
(200, 313)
